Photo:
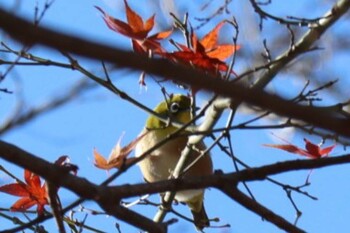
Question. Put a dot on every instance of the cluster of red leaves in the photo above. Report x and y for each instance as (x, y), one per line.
(137, 30)
(311, 151)
(205, 54)
(118, 155)
(31, 191)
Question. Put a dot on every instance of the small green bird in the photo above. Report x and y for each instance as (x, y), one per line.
(160, 164)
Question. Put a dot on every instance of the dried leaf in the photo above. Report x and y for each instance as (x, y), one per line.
(100, 161)
(118, 155)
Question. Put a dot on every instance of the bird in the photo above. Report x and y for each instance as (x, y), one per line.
(159, 164)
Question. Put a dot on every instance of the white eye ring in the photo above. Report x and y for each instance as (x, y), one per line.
(174, 107)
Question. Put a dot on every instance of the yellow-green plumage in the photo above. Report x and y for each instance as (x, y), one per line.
(183, 115)
(162, 161)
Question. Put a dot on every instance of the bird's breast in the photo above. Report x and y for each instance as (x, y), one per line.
(160, 163)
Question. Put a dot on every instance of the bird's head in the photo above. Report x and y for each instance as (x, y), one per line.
(177, 108)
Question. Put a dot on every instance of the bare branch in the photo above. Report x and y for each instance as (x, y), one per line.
(164, 68)
(102, 194)
(20, 116)
(259, 209)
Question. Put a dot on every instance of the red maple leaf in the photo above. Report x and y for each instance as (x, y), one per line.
(206, 54)
(137, 30)
(32, 193)
(209, 46)
(312, 151)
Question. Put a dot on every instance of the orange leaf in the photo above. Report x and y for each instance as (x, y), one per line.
(134, 20)
(222, 52)
(210, 40)
(116, 24)
(31, 179)
(15, 189)
(147, 44)
(212, 49)
(31, 191)
(198, 60)
(206, 54)
(161, 35)
(100, 161)
(147, 27)
(132, 31)
(118, 155)
(137, 30)
(23, 204)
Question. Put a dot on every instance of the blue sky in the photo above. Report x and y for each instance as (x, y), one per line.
(97, 118)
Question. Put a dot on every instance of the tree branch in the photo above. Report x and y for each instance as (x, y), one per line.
(61, 177)
(102, 194)
(317, 28)
(29, 34)
(20, 116)
(259, 209)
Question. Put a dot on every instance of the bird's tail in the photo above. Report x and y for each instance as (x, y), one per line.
(200, 218)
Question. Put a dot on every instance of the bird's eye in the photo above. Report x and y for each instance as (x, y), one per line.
(174, 107)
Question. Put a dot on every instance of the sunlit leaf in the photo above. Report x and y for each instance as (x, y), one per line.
(161, 35)
(15, 189)
(222, 52)
(32, 193)
(23, 204)
(136, 29)
(118, 155)
(134, 20)
(206, 54)
(210, 40)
